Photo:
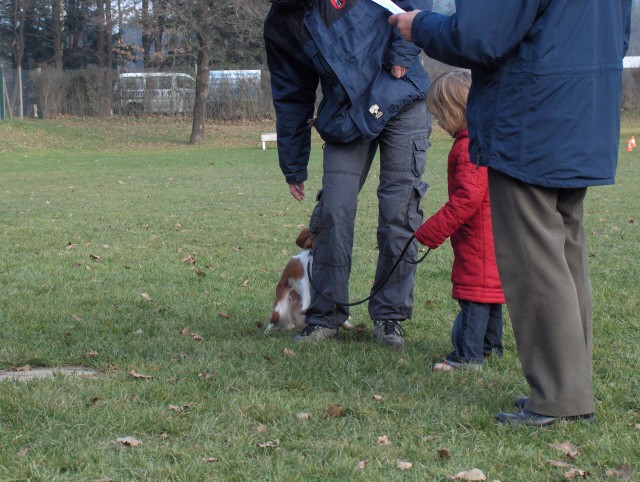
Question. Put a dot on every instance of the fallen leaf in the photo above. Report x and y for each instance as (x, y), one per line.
(212, 459)
(444, 454)
(76, 317)
(185, 330)
(334, 411)
(473, 474)
(271, 444)
(623, 472)
(90, 354)
(145, 296)
(138, 375)
(95, 257)
(23, 368)
(638, 426)
(573, 473)
(129, 441)
(567, 448)
(288, 352)
(302, 416)
(22, 452)
(260, 428)
(223, 314)
(378, 398)
(196, 337)
(384, 440)
(70, 245)
(189, 259)
(93, 401)
(199, 272)
(164, 435)
(180, 408)
(245, 283)
(558, 463)
(404, 465)
(361, 465)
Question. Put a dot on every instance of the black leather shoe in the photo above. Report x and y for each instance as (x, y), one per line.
(527, 417)
(521, 401)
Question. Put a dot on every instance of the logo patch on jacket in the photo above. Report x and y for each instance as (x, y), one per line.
(375, 110)
(338, 3)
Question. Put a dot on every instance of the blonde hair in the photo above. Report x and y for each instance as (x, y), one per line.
(447, 98)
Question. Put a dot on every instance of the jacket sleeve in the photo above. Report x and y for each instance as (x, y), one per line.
(471, 185)
(402, 52)
(480, 34)
(293, 88)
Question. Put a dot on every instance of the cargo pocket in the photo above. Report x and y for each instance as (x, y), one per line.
(315, 222)
(415, 214)
(420, 147)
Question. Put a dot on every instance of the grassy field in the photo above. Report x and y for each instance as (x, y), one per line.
(98, 220)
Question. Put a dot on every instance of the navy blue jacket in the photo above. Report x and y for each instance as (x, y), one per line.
(544, 105)
(349, 47)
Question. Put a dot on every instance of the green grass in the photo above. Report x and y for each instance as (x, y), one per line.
(135, 194)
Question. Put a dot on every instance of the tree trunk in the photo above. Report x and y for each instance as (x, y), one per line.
(202, 89)
(58, 32)
(146, 34)
(100, 33)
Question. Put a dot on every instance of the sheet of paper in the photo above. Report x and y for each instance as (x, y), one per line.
(389, 5)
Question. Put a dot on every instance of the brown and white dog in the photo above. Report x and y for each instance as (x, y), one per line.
(293, 293)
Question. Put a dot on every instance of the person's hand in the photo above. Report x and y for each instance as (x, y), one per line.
(403, 21)
(398, 71)
(297, 190)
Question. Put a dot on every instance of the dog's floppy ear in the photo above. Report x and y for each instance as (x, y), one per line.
(305, 238)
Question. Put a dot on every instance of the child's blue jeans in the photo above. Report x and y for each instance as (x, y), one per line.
(477, 332)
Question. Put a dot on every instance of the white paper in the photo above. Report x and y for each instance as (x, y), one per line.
(389, 5)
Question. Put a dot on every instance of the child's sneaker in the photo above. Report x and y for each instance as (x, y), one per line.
(389, 333)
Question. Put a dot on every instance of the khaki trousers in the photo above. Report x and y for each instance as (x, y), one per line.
(542, 260)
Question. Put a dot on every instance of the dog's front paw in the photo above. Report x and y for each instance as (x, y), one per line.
(268, 329)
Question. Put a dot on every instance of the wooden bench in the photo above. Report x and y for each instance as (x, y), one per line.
(270, 137)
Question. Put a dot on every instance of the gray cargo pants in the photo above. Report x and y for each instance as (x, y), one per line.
(403, 147)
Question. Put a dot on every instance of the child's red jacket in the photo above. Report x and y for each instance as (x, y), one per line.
(466, 218)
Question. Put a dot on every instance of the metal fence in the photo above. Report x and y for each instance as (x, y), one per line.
(48, 93)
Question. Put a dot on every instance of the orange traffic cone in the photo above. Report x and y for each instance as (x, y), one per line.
(629, 146)
(633, 141)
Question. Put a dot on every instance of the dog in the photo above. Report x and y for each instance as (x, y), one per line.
(293, 292)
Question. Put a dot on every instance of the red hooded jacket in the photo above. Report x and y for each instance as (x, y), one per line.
(466, 218)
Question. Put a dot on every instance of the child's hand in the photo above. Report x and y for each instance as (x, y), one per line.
(422, 234)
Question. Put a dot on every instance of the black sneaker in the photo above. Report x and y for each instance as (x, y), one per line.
(315, 333)
(389, 333)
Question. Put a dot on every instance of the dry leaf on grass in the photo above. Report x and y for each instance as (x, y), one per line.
(473, 474)
(139, 375)
(558, 463)
(212, 459)
(23, 368)
(189, 259)
(185, 330)
(164, 435)
(444, 454)
(567, 448)
(145, 296)
(90, 354)
(288, 352)
(302, 416)
(573, 473)
(384, 440)
(623, 472)
(361, 465)
(95, 257)
(129, 441)
(199, 272)
(260, 428)
(271, 444)
(378, 398)
(223, 314)
(404, 465)
(180, 408)
(245, 283)
(334, 411)
(196, 337)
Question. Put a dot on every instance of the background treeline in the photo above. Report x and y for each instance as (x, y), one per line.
(66, 54)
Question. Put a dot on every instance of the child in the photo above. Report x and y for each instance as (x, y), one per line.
(466, 218)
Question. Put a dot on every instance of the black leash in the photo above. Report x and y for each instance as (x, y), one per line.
(384, 281)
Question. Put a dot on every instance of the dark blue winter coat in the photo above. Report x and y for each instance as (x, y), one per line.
(349, 47)
(544, 106)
